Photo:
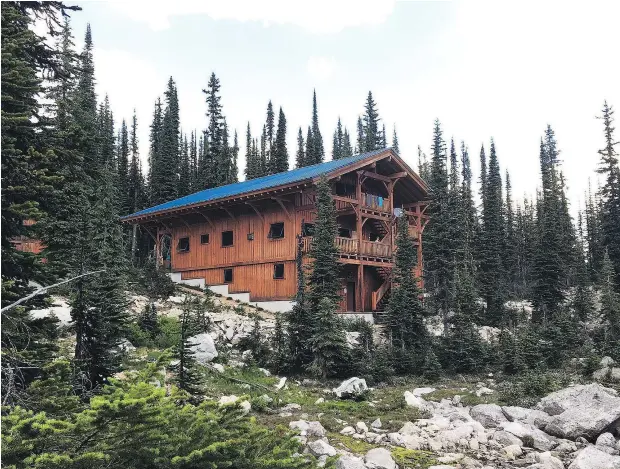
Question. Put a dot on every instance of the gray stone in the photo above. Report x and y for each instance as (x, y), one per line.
(422, 391)
(379, 458)
(441, 466)
(489, 415)
(321, 447)
(203, 347)
(521, 414)
(218, 367)
(351, 387)
(361, 427)
(512, 452)
(593, 458)
(560, 401)
(506, 439)
(610, 373)
(376, 423)
(606, 439)
(350, 462)
(347, 430)
(607, 361)
(540, 440)
(320, 400)
(316, 429)
(291, 407)
(416, 401)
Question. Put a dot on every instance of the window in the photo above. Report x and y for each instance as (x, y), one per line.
(373, 237)
(228, 277)
(183, 245)
(307, 229)
(204, 238)
(276, 231)
(344, 232)
(251, 236)
(227, 238)
(278, 271)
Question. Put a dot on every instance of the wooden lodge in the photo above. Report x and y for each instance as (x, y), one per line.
(245, 235)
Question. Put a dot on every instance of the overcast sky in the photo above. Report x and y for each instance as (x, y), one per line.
(486, 69)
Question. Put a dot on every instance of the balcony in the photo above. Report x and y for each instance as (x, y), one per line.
(370, 202)
(349, 247)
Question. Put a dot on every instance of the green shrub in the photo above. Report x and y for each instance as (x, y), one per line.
(527, 389)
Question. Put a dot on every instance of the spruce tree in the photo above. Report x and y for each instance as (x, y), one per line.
(251, 162)
(234, 165)
(216, 165)
(327, 343)
(610, 308)
(280, 345)
(372, 136)
(300, 156)
(123, 169)
(338, 142)
(155, 156)
(270, 127)
(315, 152)
(361, 142)
(184, 186)
(186, 375)
(136, 188)
(193, 161)
(610, 191)
(298, 319)
(395, 146)
(105, 134)
(406, 333)
(263, 161)
(347, 149)
(280, 153)
(510, 256)
(170, 145)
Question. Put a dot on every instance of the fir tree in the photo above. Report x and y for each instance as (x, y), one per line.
(270, 127)
(510, 256)
(170, 145)
(217, 165)
(263, 162)
(327, 343)
(251, 163)
(610, 308)
(155, 152)
(610, 191)
(383, 138)
(395, 146)
(280, 346)
(234, 165)
(405, 329)
(361, 142)
(186, 375)
(300, 156)
(105, 134)
(136, 196)
(298, 320)
(193, 161)
(147, 321)
(373, 138)
(338, 142)
(184, 186)
(423, 165)
(123, 169)
(315, 152)
(280, 153)
(347, 149)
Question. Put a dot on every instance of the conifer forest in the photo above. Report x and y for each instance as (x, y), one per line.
(103, 356)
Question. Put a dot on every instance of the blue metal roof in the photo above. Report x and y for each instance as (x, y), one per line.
(265, 182)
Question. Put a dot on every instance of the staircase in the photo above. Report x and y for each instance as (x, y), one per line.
(378, 227)
(381, 296)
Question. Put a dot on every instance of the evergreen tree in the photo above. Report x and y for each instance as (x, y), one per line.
(299, 320)
(155, 155)
(315, 152)
(263, 162)
(383, 138)
(361, 143)
(337, 144)
(147, 321)
(234, 166)
(225, 162)
(105, 134)
(123, 169)
(193, 161)
(347, 149)
(136, 188)
(395, 142)
(610, 191)
(280, 153)
(184, 186)
(327, 343)
(510, 256)
(169, 155)
(251, 162)
(186, 375)
(270, 127)
(423, 166)
(468, 211)
(594, 236)
(280, 346)
(216, 164)
(492, 272)
(405, 329)
(373, 138)
(610, 308)
(300, 156)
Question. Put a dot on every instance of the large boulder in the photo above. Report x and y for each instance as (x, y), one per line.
(560, 401)
(592, 458)
(416, 401)
(536, 417)
(203, 347)
(321, 447)
(351, 388)
(530, 435)
(350, 462)
(379, 458)
(506, 439)
(607, 374)
(489, 415)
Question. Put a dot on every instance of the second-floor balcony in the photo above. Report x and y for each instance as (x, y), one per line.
(351, 247)
(369, 201)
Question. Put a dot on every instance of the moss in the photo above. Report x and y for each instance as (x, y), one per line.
(413, 458)
(351, 444)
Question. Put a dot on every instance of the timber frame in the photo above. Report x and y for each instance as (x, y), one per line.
(368, 194)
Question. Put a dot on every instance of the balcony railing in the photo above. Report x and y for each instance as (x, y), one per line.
(349, 246)
(376, 202)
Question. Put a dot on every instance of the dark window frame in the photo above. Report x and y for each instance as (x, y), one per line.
(270, 234)
(179, 244)
(232, 238)
(342, 231)
(202, 237)
(308, 230)
(228, 271)
(275, 271)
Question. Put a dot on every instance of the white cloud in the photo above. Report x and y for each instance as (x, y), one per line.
(317, 16)
(321, 68)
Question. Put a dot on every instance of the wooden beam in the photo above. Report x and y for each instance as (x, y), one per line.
(376, 217)
(262, 219)
(183, 221)
(208, 220)
(281, 203)
(228, 212)
(380, 177)
(345, 199)
(149, 232)
(401, 174)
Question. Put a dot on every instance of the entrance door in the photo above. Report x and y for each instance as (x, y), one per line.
(350, 296)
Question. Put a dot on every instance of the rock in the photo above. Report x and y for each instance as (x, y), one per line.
(560, 401)
(320, 400)
(422, 391)
(546, 461)
(266, 399)
(351, 387)
(611, 374)
(409, 428)
(415, 401)
(489, 415)
(483, 391)
(309, 382)
(285, 414)
(281, 383)
(593, 458)
(290, 407)
(513, 452)
(348, 431)
(321, 447)
(536, 417)
(565, 447)
(506, 439)
(125, 346)
(587, 420)
(352, 338)
(322, 460)
(224, 400)
(441, 466)
(606, 439)
(350, 462)
(379, 458)
(525, 431)
(218, 367)
(376, 423)
(361, 427)
(264, 371)
(245, 406)
(607, 361)
(203, 347)
(411, 442)
(316, 429)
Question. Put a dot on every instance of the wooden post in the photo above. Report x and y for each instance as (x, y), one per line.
(359, 291)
